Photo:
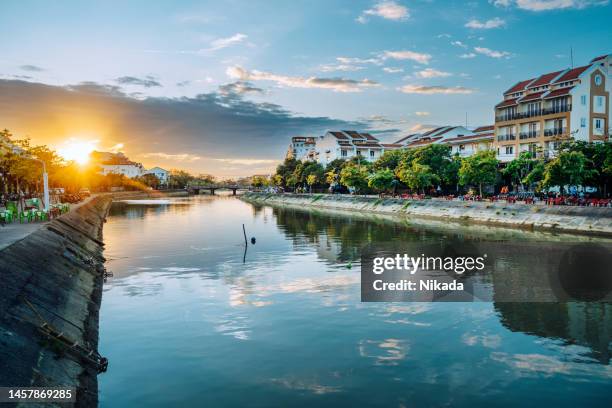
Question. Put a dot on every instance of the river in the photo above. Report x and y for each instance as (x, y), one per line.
(189, 319)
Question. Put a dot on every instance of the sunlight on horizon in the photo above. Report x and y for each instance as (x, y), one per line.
(77, 150)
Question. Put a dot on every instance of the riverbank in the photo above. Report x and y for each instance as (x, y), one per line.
(54, 275)
(566, 219)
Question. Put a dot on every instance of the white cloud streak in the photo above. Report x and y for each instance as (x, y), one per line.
(421, 58)
(389, 10)
(486, 25)
(546, 5)
(432, 73)
(431, 90)
(492, 53)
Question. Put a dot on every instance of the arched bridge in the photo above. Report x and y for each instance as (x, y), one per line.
(196, 188)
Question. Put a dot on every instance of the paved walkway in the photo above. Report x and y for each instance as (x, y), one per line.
(15, 231)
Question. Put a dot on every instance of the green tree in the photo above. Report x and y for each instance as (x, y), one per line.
(149, 180)
(284, 171)
(568, 168)
(354, 176)
(179, 178)
(389, 160)
(418, 176)
(478, 169)
(382, 180)
(259, 181)
(519, 168)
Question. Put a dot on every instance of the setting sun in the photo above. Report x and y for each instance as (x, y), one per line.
(77, 150)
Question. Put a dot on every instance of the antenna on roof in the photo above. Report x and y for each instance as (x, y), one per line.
(572, 57)
(465, 119)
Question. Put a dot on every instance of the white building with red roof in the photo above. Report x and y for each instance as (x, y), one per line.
(538, 114)
(345, 144)
(302, 148)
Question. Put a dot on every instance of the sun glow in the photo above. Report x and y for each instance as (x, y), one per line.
(77, 150)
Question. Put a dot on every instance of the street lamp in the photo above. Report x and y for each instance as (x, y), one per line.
(45, 183)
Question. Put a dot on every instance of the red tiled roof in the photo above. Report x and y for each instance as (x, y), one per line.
(392, 145)
(559, 92)
(544, 79)
(432, 131)
(354, 134)
(484, 128)
(403, 139)
(446, 130)
(507, 102)
(339, 135)
(369, 136)
(519, 86)
(532, 97)
(598, 58)
(572, 74)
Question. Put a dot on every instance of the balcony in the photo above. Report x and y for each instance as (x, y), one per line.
(505, 138)
(532, 134)
(555, 132)
(533, 113)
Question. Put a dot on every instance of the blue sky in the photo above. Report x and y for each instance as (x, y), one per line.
(390, 65)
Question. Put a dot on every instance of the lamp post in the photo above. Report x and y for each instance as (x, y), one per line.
(45, 183)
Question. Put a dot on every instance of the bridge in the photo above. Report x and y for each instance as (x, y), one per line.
(196, 188)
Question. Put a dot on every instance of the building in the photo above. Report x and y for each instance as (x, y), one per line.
(302, 148)
(433, 136)
(160, 173)
(116, 163)
(538, 114)
(479, 139)
(346, 144)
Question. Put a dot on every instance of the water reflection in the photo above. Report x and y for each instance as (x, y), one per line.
(287, 327)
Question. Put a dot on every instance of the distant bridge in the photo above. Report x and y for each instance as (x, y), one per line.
(196, 188)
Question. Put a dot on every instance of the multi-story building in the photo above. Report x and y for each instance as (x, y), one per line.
(433, 136)
(479, 139)
(346, 144)
(302, 148)
(538, 114)
(116, 163)
(161, 174)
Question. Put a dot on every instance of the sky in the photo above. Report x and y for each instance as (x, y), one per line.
(219, 87)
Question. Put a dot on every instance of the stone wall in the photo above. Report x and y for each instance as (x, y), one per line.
(59, 271)
(569, 219)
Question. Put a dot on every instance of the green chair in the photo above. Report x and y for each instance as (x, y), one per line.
(26, 215)
(41, 215)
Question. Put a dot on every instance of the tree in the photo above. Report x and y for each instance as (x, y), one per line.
(568, 168)
(519, 168)
(389, 160)
(179, 178)
(313, 174)
(150, 180)
(536, 174)
(418, 176)
(354, 176)
(478, 169)
(285, 170)
(382, 180)
(259, 181)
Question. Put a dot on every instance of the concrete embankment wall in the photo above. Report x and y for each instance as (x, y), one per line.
(59, 271)
(568, 219)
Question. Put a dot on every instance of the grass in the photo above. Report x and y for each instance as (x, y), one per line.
(317, 198)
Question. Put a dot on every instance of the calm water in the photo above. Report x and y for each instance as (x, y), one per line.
(185, 322)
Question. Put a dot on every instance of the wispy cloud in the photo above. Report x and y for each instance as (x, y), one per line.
(431, 73)
(486, 25)
(422, 113)
(239, 88)
(221, 43)
(179, 157)
(389, 10)
(147, 82)
(31, 68)
(468, 55)
(393, 70)
(334, 84)
(421, 58)
(545, 5)
(459, 44)
(247, 162)
(492, 53)
(430, 90)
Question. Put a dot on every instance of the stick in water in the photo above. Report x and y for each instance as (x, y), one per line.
(245, 238)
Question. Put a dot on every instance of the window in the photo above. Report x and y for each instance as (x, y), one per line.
(598, 124)
(583, 100)
(582, 122)
(371, 153)
(358, 152)
(461, 147)
(343, 153)
(599, 101)
(509, 149)
(597, 79)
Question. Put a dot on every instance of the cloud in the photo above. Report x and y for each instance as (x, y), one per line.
(422, 113)
(31, 68)
(430, 90)
(349, 64)
(334, 84)
(221, 43)
(239, 88)
(179, 157)
(421, 58)
(393, 70)
(486, 25)
(492, 53)
(209, 125)
(247, 161)
(468, 55)
(432, 73)
(459, 44)
(546, 5)
(183, 83)
(389, 10)
(147, 82)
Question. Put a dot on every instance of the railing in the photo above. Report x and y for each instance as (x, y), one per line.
(555, 131)
(503, 138)
(533, 113)
(532, 134)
